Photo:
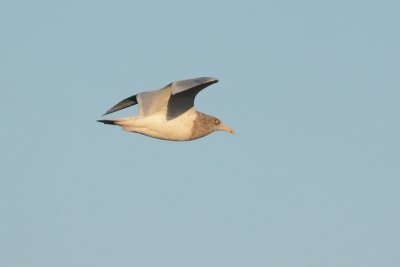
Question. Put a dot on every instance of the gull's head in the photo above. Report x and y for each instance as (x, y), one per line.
(218, 125)
(206, 124)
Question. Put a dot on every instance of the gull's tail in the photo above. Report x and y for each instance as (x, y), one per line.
(125, 123)
(111, 122)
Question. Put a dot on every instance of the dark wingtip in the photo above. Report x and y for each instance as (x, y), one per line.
(111, 122)
(127, 102)
(208, 80)
(107, 112)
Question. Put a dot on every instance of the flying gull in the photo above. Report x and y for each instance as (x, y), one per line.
(169, 113)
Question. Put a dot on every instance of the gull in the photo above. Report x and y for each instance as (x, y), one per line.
(169, 113)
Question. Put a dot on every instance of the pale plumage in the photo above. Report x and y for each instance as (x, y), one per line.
(169, 113)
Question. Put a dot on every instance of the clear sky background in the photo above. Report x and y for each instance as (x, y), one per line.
(311, 177)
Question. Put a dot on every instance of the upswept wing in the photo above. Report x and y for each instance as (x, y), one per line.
(183, 94)
(127, 102)
(172, 100)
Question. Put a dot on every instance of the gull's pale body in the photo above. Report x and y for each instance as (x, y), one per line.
(177, 129)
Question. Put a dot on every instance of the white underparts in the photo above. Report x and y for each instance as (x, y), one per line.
(156, 125)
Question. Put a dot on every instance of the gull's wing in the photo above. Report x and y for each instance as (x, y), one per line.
(149, 102)
(183, 94)
(172, 100)
(127, 102)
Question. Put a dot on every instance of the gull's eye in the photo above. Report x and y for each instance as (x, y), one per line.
(216, 121)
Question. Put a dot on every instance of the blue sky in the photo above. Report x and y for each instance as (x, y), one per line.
(311, 177)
